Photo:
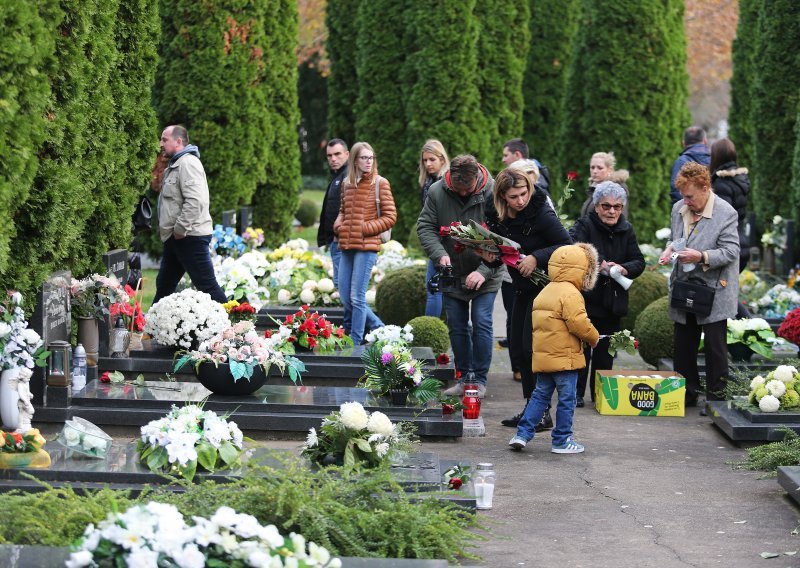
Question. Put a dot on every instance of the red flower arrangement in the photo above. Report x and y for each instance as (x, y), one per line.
(790, 328)
(240, 312)
(310, 330)
(131, 313)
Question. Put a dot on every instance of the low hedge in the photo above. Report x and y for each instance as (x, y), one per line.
(401, 295)
(646, 289)
(654, 332)
(430, 332)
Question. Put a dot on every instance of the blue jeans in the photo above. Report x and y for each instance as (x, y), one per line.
(189, 254)
(336, 255)
(472, 351)
(354, 271)
(546, 383)
(433, 306)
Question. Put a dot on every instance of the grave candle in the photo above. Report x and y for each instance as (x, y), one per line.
(484, 486)
(472, 404)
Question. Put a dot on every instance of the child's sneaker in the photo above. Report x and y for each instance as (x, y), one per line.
(568, 447)
(517, 443)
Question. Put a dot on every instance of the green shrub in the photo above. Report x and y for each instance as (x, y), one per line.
(739, 116)
(646, 289)
(413, 240)
(307, 213)
(430, 332)
(401, 295)
(654, 331)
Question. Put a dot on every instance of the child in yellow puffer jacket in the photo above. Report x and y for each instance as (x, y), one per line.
(560, 324)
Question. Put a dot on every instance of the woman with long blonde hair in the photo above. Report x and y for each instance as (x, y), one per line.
(433, 162)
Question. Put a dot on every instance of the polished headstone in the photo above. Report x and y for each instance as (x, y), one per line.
(51, 319)
(789, 479)
(735, 424)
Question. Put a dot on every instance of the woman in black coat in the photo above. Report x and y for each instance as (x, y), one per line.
(731, 183)
(612, 235)
(523, 214)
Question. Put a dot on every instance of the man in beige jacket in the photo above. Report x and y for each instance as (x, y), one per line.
(184, 222)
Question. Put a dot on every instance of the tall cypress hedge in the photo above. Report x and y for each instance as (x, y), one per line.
(27, 44)
(276, 196)
(380, 109)
(503, 43)
(212, 59)
(312, 93)
(775, 95)
(739, 116)
(640, 110)
(342, 87)
(553, 24)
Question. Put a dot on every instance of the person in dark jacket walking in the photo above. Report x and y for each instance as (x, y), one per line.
(606, 228)
(695, 149)
(433, 162)
(337, 161)
(521, 213)
(731, 183)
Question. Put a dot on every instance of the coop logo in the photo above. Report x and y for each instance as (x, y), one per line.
(643, 397)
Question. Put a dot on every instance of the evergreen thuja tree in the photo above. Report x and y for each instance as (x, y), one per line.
(775, 92)
(276, 197)
(553, 24)
(739, 116)
(640, 113)
(502, 51)
(27, 44)
(212, 59)
(342, 86)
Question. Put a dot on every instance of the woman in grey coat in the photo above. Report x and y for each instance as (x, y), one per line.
(710, 253)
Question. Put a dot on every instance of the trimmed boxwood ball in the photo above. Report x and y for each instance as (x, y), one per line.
(645, 290)
(430, 332)
(401, 296)
(307, 213)
(654, 331)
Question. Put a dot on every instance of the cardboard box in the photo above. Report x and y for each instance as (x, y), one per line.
(640, 393)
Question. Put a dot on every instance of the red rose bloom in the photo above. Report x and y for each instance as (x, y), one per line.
(312, 343)
(455, 483)
(326, 333)
(572, 176)
(340, 332)
(268, 334)
(291, 339)
(636, 344)
(442, 359)
(448, 409)
(444, 231)
(104, 378)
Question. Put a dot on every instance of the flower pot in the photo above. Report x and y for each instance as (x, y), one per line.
(9, 397)
(739, 352)
(219, 380)
(89, 337)
(768, 261)
(399, 397)
(136, 341)
(23, 460)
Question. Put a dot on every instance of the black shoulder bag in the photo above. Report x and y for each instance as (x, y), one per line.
(693, 295)
(142, 215)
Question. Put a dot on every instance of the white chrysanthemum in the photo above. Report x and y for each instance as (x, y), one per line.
(784, 373)
(312, 440)
(379, 423)
(776, 388)
(353, 415)
(769, 403)
(664, 233)
(325, 285)
(756, 324)
(307, 296)
(310, 285)
(284, 296)
(382, 449)
(757, 381)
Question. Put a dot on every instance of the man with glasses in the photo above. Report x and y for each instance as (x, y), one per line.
(337, 161)
(462, 195)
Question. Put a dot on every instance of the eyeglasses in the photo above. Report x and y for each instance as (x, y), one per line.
(366, 158)
(609, 207)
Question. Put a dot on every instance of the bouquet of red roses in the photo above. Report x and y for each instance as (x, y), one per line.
(790, 328)
(310, 330)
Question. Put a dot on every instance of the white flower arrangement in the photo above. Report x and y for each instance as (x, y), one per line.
(186, 319)
(769, 403)
(778, 390)
(189, 437)
(777, 301)
(353, 415)
(156, 534)
(238, 277)
(20, 346)
(785, 373)
(391, 334)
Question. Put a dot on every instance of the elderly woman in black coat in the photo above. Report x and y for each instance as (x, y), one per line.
(605, 227)
(522, 213)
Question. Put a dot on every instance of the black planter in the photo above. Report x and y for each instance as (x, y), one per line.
(399, 397)
(740, 352)
(218, 379)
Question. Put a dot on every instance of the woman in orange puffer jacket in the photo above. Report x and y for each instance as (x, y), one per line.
(358, 227)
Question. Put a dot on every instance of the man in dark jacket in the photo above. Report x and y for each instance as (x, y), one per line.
(337, 161)
(695, 149)
(516, 149)
(461, 195)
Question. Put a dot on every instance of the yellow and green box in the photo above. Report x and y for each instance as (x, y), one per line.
(639, 393)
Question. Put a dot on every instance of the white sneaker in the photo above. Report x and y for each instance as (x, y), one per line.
(517, 443)
(568, 447)
(455, 390)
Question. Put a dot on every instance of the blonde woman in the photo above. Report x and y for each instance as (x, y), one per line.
(358, 227)
(602, 167)
(433, 162)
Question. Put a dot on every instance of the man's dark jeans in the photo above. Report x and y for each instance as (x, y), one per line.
(189, 254)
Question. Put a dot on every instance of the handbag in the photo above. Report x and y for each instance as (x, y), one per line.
(385, 236)
(693, 296)
(142, 215)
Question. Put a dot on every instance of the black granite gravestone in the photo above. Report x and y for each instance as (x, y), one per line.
(245, 219)
(116, 263)
(51, 320)
(229, 218)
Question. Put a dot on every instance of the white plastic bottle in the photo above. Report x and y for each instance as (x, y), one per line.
(78, 368)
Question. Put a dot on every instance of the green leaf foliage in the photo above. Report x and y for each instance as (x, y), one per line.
(611, 392)
(770, 457)
(342, 86)
(739, 116)
(640, 112)
(553, 24)
(775, 95)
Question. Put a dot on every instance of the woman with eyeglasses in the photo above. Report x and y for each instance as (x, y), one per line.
(358, 226)
(606, 227)
(433, 162)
